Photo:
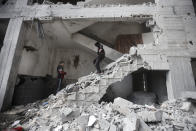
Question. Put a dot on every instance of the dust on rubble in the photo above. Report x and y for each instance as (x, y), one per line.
(56, 113)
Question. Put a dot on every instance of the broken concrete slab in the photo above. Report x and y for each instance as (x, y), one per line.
(122, 105)
(67, 111)
(130, 124)
(186, 106)
(69, 115)
(150, 116)
(91, 121)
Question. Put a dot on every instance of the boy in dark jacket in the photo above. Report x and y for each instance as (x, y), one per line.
(60, 75)
(100, 56)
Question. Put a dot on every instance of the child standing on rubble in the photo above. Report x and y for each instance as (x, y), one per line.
(60, 75)
(100, 56)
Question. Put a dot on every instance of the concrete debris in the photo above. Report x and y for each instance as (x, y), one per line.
(76, 107)
(120, 115)
(123, 106)
(186, 106)
(130, 124)
(112, 128)
(92, 120)
(104, 125)
(151, 116)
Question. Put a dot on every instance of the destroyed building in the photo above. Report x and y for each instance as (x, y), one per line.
(150, 49)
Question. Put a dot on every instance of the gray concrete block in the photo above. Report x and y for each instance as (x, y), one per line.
(83, 120)
(151, 116)
(186, 106)
(131, 124)
(121, 105)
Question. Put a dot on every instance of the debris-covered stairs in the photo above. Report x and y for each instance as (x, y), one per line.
(91, 88)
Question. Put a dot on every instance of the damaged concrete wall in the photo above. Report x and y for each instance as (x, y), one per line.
(41, 55)
(180, 76)
(36, 53)
(147, 38)
(126, 2)
(78, 62)
(172, 24)
(35, 62)
(123, 88)
(173, 34)
(109, 31)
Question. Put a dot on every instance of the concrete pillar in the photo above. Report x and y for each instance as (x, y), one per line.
(10, 59)
(180, 77)
(89, 43)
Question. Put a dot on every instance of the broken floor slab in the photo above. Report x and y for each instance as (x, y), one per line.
(151, 116)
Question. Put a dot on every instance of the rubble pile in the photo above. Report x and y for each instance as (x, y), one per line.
(91, 88)
(121, 115)
(76, 107)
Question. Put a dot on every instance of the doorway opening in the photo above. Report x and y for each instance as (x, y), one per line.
(140, 87)
(193, 64)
